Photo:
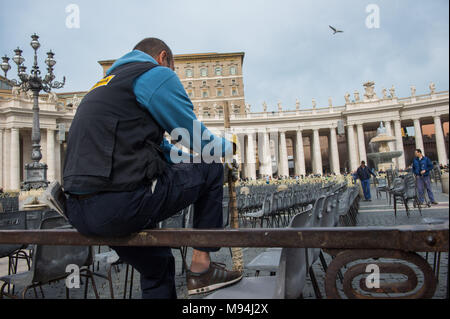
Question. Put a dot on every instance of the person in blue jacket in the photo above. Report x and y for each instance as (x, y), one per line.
(122, 176)
(363, 173)
(422, 166)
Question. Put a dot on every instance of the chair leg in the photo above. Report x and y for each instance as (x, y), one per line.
(10, 270)
(438, 265)
(86, 287)
(131, 282)
(94, 287)
(418, 205)
(2, 289)
(184, 266)
(111, 290)
(24, 292)
(395, 208)
(126, 282)
(98, 262)
(405, 202)
(323, 261)
(314, 283)
(89, 275)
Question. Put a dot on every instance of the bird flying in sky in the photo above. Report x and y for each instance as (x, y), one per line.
(335, 30)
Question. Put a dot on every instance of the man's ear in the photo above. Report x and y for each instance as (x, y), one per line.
(162, 57)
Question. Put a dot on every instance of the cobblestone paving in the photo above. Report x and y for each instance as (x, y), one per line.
(375, 213)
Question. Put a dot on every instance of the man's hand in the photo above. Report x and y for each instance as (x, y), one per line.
(231, 168)
(234, 148)
(423, 172)
(234, 143)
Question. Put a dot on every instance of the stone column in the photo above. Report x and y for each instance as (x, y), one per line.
(15, 160)
(58, 173)
(2, 154)
(250, 156)
(265, 159)
(283, 165)
(334, 152)
(399, 144)
(317, 155)
(361, 143)
(51, 171)
(418, 135)
(299, 154)
(268, 154)
(352, 148)
(440, 141)
(242, 156)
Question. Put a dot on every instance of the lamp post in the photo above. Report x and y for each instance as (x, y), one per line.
(36, 172)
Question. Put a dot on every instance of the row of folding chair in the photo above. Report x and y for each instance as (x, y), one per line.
(276, 208)
(324, 213)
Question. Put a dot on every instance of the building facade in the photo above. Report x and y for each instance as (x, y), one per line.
(290, 141)
(210, 79)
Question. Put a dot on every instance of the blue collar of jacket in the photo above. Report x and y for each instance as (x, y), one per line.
(133, 56)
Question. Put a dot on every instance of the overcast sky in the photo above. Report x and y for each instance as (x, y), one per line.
(290, 51)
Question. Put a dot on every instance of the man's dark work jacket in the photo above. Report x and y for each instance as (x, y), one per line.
(423, 164)
(113, 142)
(364, 173)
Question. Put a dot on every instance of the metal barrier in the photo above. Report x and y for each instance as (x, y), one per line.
(345, 244)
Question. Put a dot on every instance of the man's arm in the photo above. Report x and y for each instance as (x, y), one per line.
(429, 164)
(358, 173)
(162, 94)
(169, 149)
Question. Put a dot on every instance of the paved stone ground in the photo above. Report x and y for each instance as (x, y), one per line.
(375, 213)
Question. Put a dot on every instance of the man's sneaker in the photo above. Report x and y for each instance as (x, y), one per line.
(435, 203)
(214, 278)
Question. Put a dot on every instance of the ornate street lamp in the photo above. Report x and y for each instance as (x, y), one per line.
(36, 172)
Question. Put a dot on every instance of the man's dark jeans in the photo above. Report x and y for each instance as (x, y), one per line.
(120, 214)
(365, 183)
(424, 182)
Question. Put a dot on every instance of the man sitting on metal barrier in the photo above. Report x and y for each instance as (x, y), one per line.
(120, 174)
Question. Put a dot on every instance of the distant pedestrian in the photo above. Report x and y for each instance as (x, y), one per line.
(422, 166)
(363, 173)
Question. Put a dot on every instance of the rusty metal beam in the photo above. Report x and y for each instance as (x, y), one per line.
(408, 238)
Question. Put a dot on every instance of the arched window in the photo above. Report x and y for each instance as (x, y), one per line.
(203, 72)
(218, 70)
(232, 70)
(189, 73)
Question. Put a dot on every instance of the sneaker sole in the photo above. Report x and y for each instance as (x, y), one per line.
(213, 287)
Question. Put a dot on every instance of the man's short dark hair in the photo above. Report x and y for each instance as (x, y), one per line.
(362, 162)
(419, 150)
(153, 47)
